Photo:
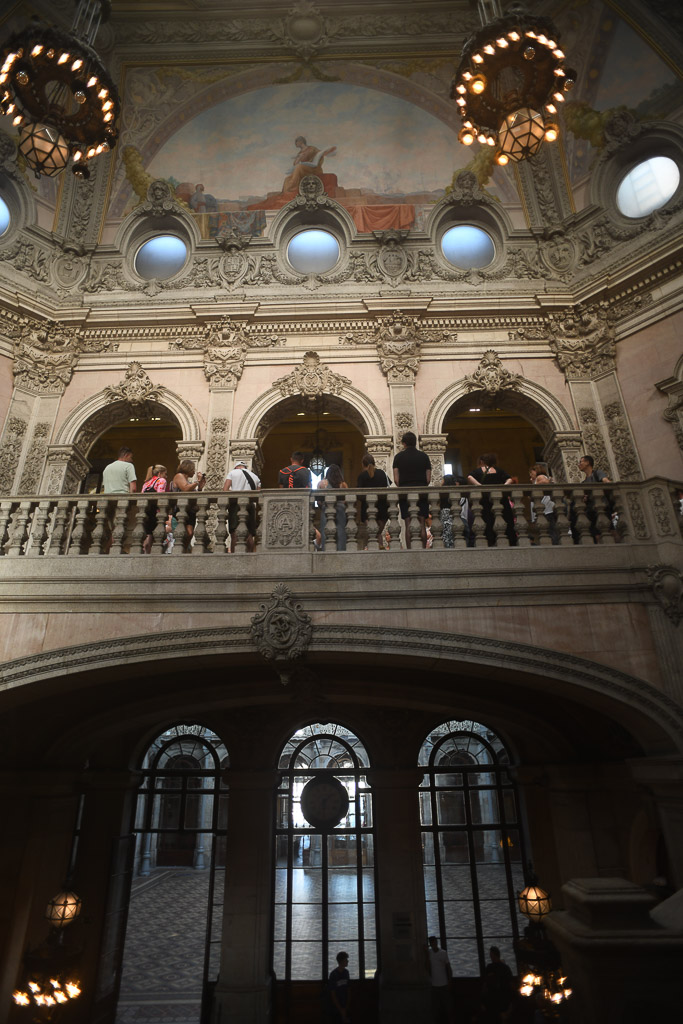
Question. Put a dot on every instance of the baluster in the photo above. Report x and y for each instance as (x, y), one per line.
(311, 523)
(604, 519)
(99, 533)
(200, 534)
(18, 529)
(159, 535)
(394, 527)
(544, 538)
(478, 524)
(522, 523)
(372, 524)
(180, 531)
(437, 525)
(41, 516)
(351, 524)
(61, 519)
(77, 541)
(499, 525)
(5, 513)
(142, 509)
(460, 527)
(329, 515)
(242, 531)
(582, 524)
(414, 531)
(118, 531)
(561, 497)
(221, 529)
(258, 514)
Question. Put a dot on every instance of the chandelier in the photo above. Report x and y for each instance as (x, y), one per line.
(57, 93)
(543, 980)
(510, 82)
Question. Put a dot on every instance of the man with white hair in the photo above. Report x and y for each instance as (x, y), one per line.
(240, 479)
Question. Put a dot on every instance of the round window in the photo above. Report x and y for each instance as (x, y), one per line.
(313, 251)
(467, 247)
(4, 217)
(647, 186)
(160, 257)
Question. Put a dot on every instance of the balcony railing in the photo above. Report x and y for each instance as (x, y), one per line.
(462, 518)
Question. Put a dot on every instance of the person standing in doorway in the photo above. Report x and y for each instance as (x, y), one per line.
(441, 975)
(412, 468)
(119, 477)
(338, 989)
(296, 474)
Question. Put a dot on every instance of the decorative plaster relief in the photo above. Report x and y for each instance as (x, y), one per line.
(621, 442)
(398, 342)
(491, 376)
(35, 459)
(667, 585)
(583, 341)
(217, 453)
(136, 388)
(10, 452)
(160, 201)
(311, 379)
(281, 630)
(45, 357)
(592, 436)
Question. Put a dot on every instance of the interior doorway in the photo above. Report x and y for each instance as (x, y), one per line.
(152, 440)
(473, 429)
(321, 431)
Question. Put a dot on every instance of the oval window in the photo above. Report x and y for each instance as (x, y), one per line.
(4, 217)
(467, 247)
(647, 186)
(160, 257)
(313, 251)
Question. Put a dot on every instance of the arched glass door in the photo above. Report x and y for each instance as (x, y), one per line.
(325, 859)
(472, 844)
(172, 946)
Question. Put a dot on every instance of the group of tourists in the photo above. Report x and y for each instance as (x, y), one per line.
(411, 468)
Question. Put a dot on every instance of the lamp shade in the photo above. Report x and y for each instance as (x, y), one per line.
(521, 133)
(45, 150)
(534, 903)
(63, 909)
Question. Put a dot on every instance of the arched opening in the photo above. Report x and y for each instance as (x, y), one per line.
(326, 429)
(475, 424)
(152, 433)
(324, 862)
(173, 934)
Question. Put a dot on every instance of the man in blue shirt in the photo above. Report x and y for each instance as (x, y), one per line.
(338, 987)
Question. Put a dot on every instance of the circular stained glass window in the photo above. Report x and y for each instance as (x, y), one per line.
(467, 247)
(313, 251)
(647, 186)
(4, 217)
(160, 257)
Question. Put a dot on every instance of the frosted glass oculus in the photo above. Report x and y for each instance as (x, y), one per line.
(313, 251)
(648, 186)
(4, 216)
(160, 257)
(467, 247)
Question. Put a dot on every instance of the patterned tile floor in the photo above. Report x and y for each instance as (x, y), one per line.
(162, 966)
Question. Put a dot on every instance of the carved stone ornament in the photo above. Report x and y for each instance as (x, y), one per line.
(621, 129)
(192, 450)
(392, 260)
(466, 189)
(311, 194)
(673, 414)
(304, 30)
(10, 452)
(232, 240)
(217, 453)
(160, 201)
(622, 442)
(223, 367)
(491, 376)
(136, 388)
(311, 379)
(281, 630)
(398, 343)
(285, 524)
(594, 444)
(44, 357)
(558, 251)
(583, 341)
(667, 585)
(35, 458)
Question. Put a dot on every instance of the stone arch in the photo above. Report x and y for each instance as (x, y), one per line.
(350, 403)
(536, 404)
(87, 421)
(67, 464)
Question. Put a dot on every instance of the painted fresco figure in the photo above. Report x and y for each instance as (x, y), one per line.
(309, 160)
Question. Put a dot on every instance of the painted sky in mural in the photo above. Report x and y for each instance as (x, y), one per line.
(372, 150)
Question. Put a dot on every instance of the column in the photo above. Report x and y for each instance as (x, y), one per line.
(381, 447)
(221, 402)
(435, 447)
(404, 988)
(243, 990)
(562, 453)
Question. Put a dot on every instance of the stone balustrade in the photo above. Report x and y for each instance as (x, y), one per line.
(290, 521)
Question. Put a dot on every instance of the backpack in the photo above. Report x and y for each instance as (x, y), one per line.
(291, 470)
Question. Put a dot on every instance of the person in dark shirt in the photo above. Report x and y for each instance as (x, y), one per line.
(498, 988)
(370, 478)
(412, 468)
(487, 472)
(296, 474)
(338, 989)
